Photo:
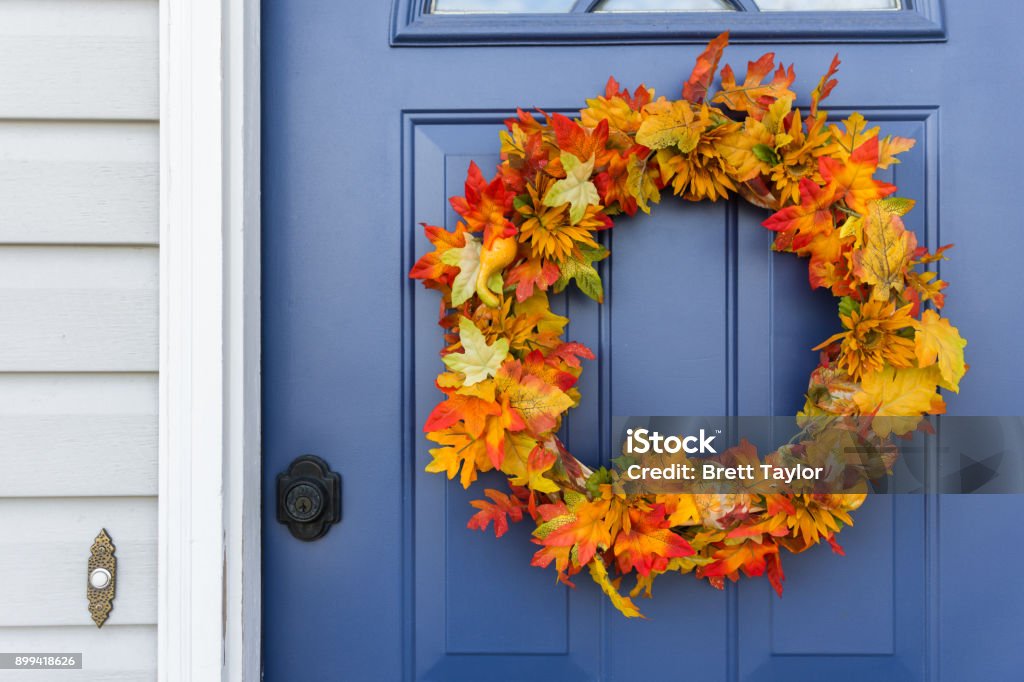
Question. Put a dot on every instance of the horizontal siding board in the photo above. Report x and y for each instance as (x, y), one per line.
(79, 182)
(79, 435)
(79, 203)
(79, 59)
(68, 309)
(117, 653)
(44, 549)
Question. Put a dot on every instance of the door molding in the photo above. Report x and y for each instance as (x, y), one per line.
(209, 443)
(916, 21)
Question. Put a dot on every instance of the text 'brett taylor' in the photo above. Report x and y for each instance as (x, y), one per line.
(642, 442)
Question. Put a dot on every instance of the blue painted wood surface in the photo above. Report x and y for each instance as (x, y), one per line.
(362, 141)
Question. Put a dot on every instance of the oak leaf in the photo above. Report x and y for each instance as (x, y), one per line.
(500, 509)
(696, 87)
(755, 96)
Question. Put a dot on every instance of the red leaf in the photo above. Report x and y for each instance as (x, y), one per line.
(499, 511)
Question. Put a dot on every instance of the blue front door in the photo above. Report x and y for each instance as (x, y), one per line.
(371, 116)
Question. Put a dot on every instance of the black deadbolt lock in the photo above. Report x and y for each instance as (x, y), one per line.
(308, 498)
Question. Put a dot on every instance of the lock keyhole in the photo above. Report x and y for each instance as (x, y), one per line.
(304, 501)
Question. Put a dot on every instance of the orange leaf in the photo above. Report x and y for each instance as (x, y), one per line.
(798, 225)
(539, 403)
(854, 179)
(646, 543)
(581, 143)
(755, 97)
(485, 206)
(696, 87)
(533, 273)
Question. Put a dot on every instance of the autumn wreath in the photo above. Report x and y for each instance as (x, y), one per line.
(532, 230)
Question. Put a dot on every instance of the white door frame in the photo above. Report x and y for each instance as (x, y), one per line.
(209, 505)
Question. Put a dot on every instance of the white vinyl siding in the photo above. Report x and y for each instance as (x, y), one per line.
(79, 196)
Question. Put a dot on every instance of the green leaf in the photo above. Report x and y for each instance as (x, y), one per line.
(479, 360)
(847, 305)
(467, 260)
(596, 479)
(766, 154)
(585, 274)
(897, 205)
(576, 189)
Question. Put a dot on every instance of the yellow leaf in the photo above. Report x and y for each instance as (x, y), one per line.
(737, 148)
(938, 341)
(885, 256)
(640, 184)
(599, 572)
(517, 464)
(669, 129)
(889, 147)
(904, 392)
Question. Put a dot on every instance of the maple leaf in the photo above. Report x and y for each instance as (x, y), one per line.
(485, 206)
(583, 271)
(526, 461)
(828, 266)
(573, 139)
(612, 185)
(467, 260)
(754, 96)
(575, 189)
(500, 509)
(856, 133)
(885, 256)
(499, 429)
(798, 225)
(854, 179)
(585, 528)
(678, 127)
(904, 392)
(479, 360)
(530, 274)
(432, 266)
(539, 403)
(937, 341)
(620, 109)
(696, 87)
(749, 151)
(750, 556)
(471, 409)
(646, 543)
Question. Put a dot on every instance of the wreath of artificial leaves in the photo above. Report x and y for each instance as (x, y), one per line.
(531, 230)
